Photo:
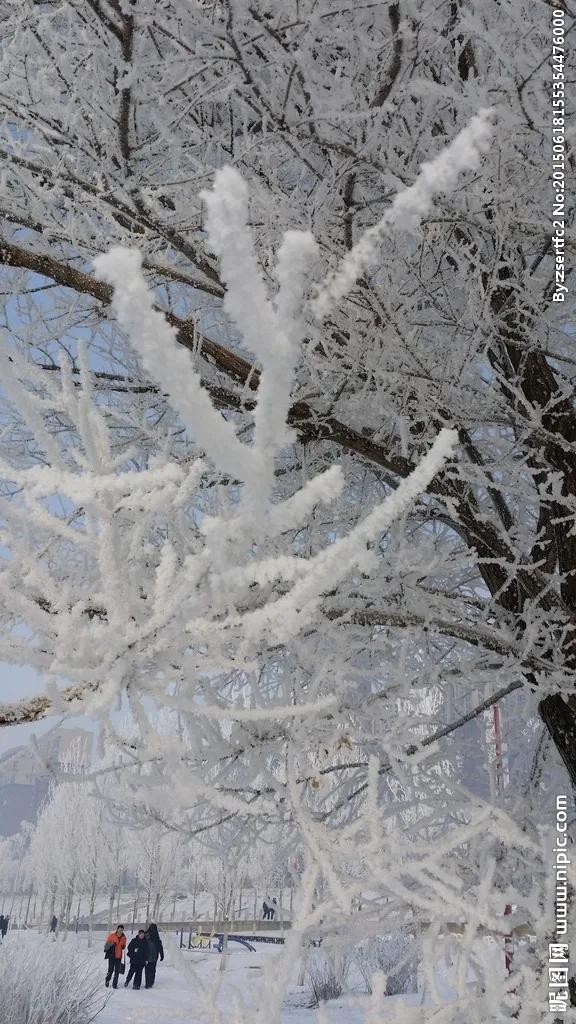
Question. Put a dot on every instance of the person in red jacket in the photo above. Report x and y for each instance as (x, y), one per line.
(113, 951)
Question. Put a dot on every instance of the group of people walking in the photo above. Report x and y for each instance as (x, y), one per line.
(144, 951)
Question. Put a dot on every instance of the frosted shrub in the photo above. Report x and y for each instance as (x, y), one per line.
(41, 985)
(326, 976)
(390, 955)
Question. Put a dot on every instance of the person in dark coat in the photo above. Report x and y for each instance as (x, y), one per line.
(53, 923)
(155, 949)
(1, 926)
(138, 953)
(266, 911)
(272, 910)
(5, 925)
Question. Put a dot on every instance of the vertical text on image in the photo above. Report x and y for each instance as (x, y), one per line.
(558, 951)
(558, 154)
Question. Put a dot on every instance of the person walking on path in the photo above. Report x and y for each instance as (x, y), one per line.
(155, 949)
(5, 922)
(137, 953)
(113, 949)
(266, 910)
(272, 910)
(1, 926)
(53, 923)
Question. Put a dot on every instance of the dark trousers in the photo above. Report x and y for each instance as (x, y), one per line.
(136, 973)
(114, 966)
(150, 973)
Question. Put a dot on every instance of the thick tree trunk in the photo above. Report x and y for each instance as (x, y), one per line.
(560, 720)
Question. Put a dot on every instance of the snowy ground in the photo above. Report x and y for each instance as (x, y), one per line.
(177, 996)
(187, 982)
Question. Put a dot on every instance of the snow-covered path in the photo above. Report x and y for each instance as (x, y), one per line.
(176, 996)
(180, 980)
(169, 1001)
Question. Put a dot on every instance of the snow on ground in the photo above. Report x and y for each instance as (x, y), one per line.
(188, 979)
(175, 997)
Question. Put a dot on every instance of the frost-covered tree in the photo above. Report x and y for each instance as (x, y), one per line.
(116, 115)
(192, 510)
(154, 859)
(79, 853)
(59, 851)
(14, 860)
